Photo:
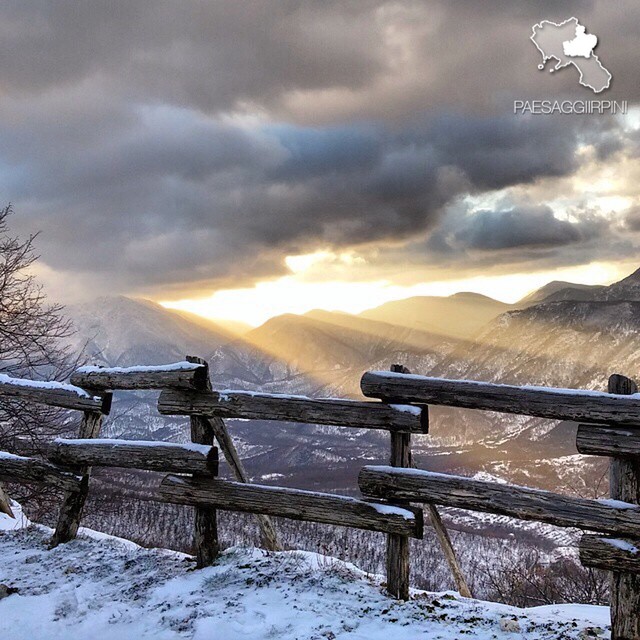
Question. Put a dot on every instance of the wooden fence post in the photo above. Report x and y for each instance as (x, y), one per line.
(624, 484)
(397, 545)
(214, 429)
(73, 502)
(205, 538)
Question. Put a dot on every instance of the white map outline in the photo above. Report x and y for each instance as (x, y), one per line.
(560, 64)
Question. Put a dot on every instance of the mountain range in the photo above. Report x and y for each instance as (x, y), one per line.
(561, 335)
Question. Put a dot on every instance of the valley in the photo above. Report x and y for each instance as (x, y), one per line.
(562, 335)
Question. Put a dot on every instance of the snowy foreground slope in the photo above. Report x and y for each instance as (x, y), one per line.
(101, 587)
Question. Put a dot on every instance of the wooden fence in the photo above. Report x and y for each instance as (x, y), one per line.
(185, 390)
(609, 425)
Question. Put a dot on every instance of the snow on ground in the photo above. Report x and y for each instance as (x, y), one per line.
(102, 587)
(18, 522)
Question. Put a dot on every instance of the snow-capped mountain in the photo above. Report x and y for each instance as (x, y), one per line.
(121, 331)
(563, 340)
(559, 290)
(575, 341)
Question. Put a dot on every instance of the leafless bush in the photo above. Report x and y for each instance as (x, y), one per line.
(33, 344)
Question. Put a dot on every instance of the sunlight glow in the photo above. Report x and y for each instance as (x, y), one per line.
(305, 262)
(296, 294)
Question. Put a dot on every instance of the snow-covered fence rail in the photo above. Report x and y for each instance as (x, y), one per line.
(311, 506)
(178, 375)
(611, 427)
(129, 454)
(542, 402)
(301, 409)
(605, 440)
(54, 394)
(415, 485)
(604, 553)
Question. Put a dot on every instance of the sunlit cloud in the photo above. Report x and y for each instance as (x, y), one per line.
(299, 294)
(340, 169)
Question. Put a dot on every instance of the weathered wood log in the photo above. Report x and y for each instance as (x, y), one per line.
(557, 404)
(397, 545)
(617, 518)
(182, 375)
(296, 504)
(400, 450)
(264, 406)
(398, 566)
(73, 503)
(449, 552)
(205, 533)
(610, 553)
(20, 469)
(128, 454)
(267, 529)
(54, 394)
(624, 484)
(605, 440)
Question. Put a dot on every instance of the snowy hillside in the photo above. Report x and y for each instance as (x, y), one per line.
(120, 331)
(103, 587)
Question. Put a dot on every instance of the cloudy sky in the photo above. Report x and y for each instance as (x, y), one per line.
(251, 158)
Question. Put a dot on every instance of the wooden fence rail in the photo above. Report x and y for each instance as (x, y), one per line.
(604, 553)
(265, 406)
(54, 394)
(556, 404)
(129, 454)
(605, 440)
(616, 518)
(296, 504)
(22, 469)
(179, 375)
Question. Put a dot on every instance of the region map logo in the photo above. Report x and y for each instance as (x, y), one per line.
(569, 44)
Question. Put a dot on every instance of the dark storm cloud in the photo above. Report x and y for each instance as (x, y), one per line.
(123, 136)
(517, 235)
(523, 227)
(205, 54)
(214, 56)
(176, 197)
